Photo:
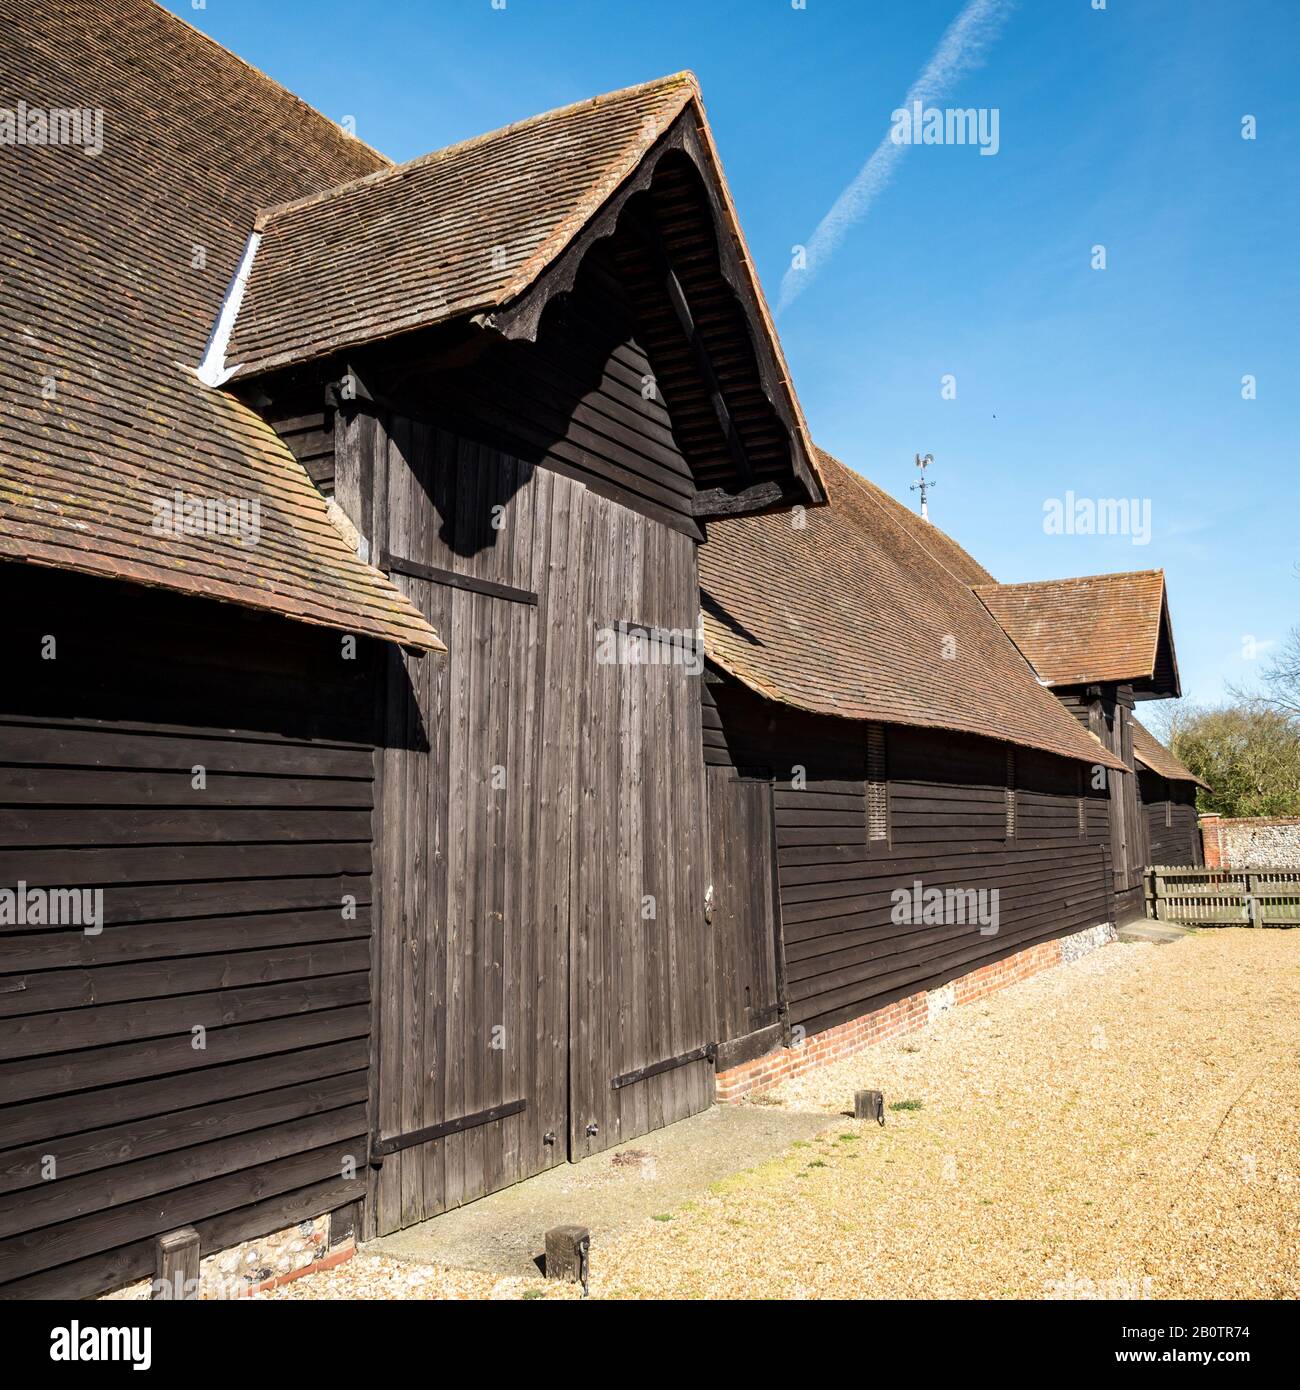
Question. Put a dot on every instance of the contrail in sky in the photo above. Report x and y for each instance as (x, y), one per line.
(961, 49)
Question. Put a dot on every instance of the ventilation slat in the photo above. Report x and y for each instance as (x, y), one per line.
(1011, 793)
(877, 785)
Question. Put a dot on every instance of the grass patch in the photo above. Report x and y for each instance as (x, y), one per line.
(662, 1216)
(848, 1138)
(906, 1104)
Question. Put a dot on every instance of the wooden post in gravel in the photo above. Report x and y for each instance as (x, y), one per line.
(869, 1105)
(178, 1265)
(567, 1252)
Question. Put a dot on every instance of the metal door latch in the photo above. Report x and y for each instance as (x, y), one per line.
(592, 1129)
(584, 1263)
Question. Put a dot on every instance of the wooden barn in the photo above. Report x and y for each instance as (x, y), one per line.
(375, 832)
(870, 727)
(547, 365)
(1101, 643)
(1167, 791)
(349, 517)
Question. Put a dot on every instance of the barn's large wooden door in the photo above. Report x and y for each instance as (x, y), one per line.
(543, 956)
(641, 1015)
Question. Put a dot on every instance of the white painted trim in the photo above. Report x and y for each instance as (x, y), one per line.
(212, 371)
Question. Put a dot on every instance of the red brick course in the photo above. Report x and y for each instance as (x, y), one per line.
(330, 1261)
(893, 1021)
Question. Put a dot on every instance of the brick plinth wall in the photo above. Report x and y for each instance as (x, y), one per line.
(750, 1078)
(1212, 849)
(904, 1016)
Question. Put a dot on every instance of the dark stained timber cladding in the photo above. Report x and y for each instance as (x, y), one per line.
(582, 400)
(210, 771)
(716, 753)
(844, 956)
(298, 414)
(1172, 827)
(743, 968)
(639, 958)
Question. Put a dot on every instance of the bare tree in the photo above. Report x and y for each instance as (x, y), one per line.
(1281, 676)
(1159, 717)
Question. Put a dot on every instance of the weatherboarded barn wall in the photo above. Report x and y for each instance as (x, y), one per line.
(857, 814)
(582, 400)
(1169, 808)
(1107, 712)
(203, 1058)
(376, 925)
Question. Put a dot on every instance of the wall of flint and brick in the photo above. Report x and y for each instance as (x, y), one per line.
(257, 1266)
(905, 1015)
(1251, 842)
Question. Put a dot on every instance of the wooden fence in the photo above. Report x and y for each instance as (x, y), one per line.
(1224, 897)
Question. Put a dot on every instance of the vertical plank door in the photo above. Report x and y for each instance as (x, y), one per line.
(472, 956)
(641, 1006)
(744, 910)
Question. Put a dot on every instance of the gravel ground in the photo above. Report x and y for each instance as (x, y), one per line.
(378, 1276)
(1123, 1126)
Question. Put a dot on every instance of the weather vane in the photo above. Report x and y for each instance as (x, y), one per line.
(925, 484)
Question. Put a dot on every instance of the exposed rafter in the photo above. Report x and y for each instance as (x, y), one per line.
(718, 501)
(521, 317)
(648, 233)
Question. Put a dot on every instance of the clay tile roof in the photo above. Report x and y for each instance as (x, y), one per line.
(1101, 627)
(848, 610)
(464, 230)
(112, 268)
(457, 231)
(940, 545)
(1153, 754)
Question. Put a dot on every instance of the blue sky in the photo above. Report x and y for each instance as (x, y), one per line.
(1119, 127)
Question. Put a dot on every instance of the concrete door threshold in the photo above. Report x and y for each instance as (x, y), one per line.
(654, 1175)
(1157, 933)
